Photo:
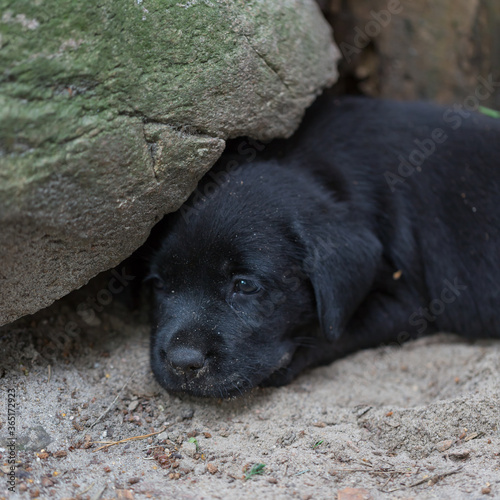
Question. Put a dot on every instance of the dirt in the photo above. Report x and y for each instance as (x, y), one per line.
(420, 420)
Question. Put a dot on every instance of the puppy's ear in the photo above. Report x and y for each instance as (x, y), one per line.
(341, 265)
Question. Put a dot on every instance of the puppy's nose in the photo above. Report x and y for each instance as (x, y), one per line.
(186, 360)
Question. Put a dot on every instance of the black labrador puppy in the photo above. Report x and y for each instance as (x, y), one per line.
(377, 222)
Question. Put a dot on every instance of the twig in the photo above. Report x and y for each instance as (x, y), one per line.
(373, 471)
(133, 438)
(87, 489)
(474, 435)
(149, 446)
(302, 472)
(387, 482)
(434, 479)
(367, 464)
(112, 404)
(50, 374)
(99, 493)
(364, 411)
(430, 480)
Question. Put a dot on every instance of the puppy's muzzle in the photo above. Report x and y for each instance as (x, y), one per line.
(185, 361)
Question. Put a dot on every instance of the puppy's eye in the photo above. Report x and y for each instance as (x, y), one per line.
(246, 286)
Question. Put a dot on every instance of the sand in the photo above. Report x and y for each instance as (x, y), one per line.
(417, 421)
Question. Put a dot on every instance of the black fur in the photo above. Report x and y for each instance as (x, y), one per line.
(341, 244)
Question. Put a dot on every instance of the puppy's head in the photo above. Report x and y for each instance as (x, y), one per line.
(242, 271)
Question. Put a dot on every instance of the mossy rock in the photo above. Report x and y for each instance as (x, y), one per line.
(111, 111)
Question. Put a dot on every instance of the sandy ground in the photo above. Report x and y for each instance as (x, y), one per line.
(418, 421)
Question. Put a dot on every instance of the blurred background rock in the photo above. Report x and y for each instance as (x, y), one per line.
(432, 50)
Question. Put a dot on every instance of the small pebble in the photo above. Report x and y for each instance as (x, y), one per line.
(133, 405)
(212, 468)
(46, 482)
(444, 445)
(189, 448)
(459, 455)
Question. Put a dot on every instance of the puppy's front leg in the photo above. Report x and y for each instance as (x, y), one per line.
(304, 357)
(382, 319)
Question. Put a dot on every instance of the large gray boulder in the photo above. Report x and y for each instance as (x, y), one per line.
(111, 111)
